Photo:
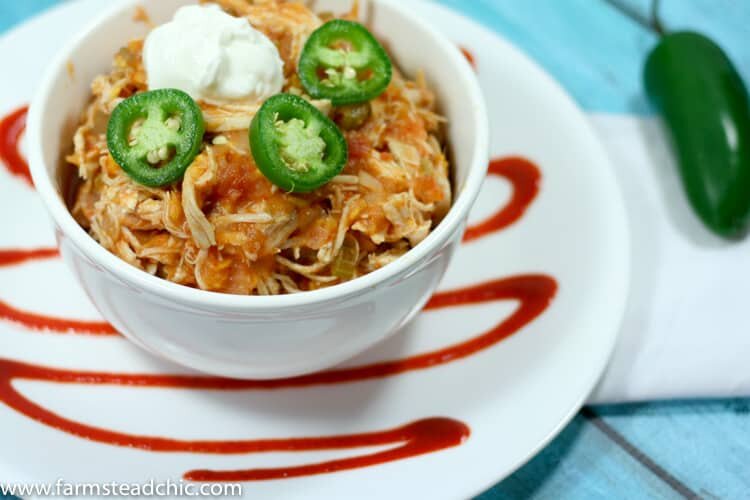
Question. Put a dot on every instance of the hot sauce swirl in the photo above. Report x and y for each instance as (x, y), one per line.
(469, 55)
(524, 177)
(417, 438)
(11, 129)
(533, 293)
(36, 321)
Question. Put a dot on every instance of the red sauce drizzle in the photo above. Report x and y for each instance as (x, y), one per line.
(35, 321)
(533, 293)
(525, 178)
(13, 257)
(11, 130)
(469, 56)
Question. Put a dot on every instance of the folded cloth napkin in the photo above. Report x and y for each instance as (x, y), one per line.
(685, 332)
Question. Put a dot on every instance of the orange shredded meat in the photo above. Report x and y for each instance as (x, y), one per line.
(225, 227)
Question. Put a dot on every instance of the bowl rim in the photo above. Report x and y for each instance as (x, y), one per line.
(132, 276)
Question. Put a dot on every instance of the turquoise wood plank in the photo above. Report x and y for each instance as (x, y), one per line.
(582, 463)
(704, 445)
(11, 13)
(725, 21)
(592, 49)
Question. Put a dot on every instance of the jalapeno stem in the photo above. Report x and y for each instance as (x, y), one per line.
(655, 18)
(649, 21)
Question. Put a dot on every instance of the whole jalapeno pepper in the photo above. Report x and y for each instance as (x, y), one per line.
(344, 63)
(705, 105)
(295, 146)
(155, 136)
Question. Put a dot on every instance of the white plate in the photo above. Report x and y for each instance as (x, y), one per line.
(514, 396)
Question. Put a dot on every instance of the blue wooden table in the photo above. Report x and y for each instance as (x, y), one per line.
(655, 450)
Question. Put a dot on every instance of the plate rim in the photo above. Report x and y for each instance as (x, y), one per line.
(624, 269)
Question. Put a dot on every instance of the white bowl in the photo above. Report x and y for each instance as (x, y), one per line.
(243, 336)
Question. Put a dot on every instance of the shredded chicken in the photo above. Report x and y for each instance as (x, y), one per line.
(200, 174)
(225, 227)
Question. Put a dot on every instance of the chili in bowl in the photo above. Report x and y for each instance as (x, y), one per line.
(264, 216)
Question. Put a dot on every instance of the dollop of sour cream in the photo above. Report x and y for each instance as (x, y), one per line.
(213, 56)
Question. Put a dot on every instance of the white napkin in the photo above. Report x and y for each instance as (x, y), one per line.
(685, 333)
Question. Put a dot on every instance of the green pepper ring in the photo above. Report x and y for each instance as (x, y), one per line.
(155, 107)
(375, 59)
(266, 147)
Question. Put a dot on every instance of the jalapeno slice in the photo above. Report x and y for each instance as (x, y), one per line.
(296, 146)
(155, 136)
(343, 62)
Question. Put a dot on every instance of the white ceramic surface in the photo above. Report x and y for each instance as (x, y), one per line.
(258, 337)
(514, 396)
